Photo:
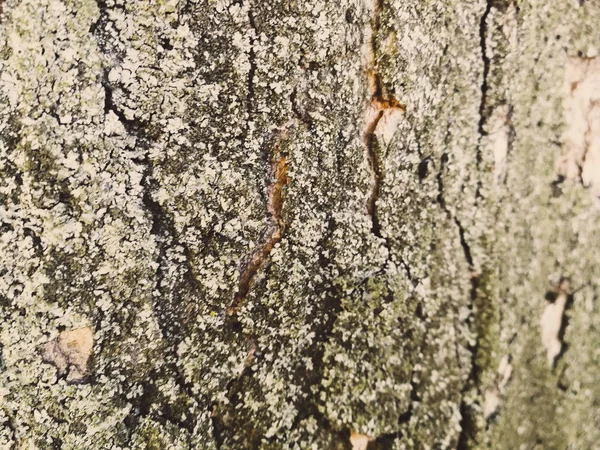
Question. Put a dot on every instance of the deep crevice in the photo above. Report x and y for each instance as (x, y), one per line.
(331, 306)
(251, 265)
(486, 60)
(103, 7)
(300, 115)
(376, 173)
(162, 227)
(463, 243)
(252, 72)
(255, 261)
(381, 102)
(133, 126)
(467, 423)
(386, 441)
(442, 202)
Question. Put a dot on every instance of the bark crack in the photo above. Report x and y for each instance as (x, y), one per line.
(442, 202)
(163, 228)
(381, 102)
(251, 264)
(486, 62)
(274, 230)
(468, 427)
(252, 61)
(300, 115)
(132, 125)
(467, 422)
(382, 106)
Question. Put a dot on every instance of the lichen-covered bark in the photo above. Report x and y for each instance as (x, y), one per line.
(234, 224)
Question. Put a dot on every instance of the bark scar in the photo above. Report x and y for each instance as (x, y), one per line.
(381, 114)
(273, 231)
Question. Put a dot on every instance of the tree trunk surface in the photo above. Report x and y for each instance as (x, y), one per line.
(360, 224)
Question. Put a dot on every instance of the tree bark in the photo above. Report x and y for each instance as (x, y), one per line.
(234, 224)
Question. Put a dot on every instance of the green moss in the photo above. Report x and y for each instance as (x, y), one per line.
(150, 437)
(486, 324)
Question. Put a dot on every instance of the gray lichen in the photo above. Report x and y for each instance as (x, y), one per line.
(297, 225)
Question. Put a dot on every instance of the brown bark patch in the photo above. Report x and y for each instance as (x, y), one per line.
(70, 352)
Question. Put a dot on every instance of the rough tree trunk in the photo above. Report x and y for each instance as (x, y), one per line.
(243, 224)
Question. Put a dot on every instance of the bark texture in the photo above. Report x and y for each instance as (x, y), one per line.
(243, 224)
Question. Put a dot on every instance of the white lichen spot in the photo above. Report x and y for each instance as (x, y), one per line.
(71, 351)
(551, 322)
(492, 397)
(491, 402)
(581, 158)
(112, 125)
(505, 370)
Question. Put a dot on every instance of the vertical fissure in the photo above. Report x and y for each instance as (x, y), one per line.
(381, 103)
(376, 173)
(469, 431)
(272, 234)
(274, 230)
(442, 202)
(486, 63)
(162, 227)
(250, 96)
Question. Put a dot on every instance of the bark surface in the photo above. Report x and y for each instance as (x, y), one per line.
(243, 224)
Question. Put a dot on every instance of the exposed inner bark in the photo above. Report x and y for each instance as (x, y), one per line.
(381, 105)
(273, 232)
